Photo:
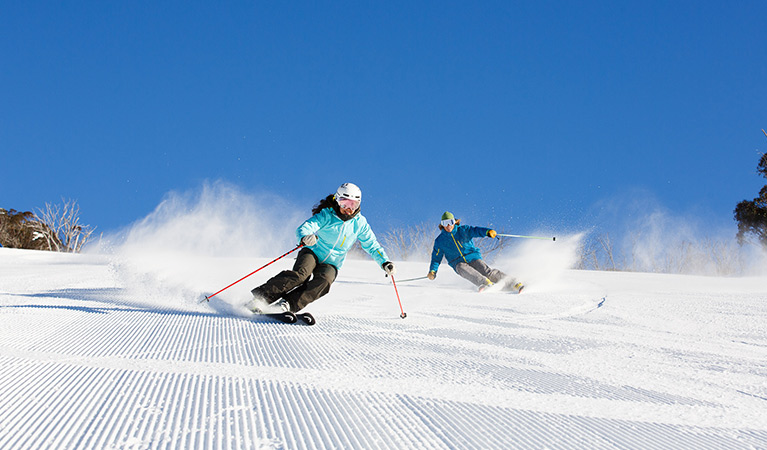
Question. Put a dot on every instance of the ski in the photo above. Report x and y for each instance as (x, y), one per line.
(284, 317)
(289, 317)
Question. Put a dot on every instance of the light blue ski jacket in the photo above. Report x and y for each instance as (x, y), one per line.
(456, 246)
(335, 237)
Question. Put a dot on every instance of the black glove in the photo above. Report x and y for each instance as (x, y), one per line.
(388, 267)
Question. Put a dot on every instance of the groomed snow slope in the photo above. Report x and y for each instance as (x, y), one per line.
(98, 354)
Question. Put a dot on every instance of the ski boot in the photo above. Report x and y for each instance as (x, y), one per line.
(485, 286)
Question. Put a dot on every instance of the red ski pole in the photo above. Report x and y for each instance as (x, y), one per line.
(208, 297)
(403, 315)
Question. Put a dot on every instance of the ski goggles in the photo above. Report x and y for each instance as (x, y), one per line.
(348, 203)
(447, 222)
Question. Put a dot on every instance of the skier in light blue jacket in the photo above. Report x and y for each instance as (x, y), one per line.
(336, 224)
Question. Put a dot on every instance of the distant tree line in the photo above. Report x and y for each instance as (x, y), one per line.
(54, 228)
(703, 256)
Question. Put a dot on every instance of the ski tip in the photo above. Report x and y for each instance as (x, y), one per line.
(307, 318)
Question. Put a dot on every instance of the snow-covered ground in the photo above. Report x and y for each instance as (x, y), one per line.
(101, 352)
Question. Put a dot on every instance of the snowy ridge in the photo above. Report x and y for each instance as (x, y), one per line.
(590, 360)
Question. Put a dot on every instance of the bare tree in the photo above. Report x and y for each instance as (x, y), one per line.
(60, 226)
(587, 256)
(607, 246)
(491, 248)
(597, 252)
(725, 257)
(413, 242)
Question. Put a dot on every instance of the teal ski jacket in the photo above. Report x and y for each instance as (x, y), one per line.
(457, 246)
(335, 237)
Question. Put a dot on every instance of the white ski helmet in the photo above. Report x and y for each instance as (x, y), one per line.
(350, 191)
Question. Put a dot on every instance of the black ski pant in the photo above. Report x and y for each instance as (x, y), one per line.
(308, 281)
(478, 271)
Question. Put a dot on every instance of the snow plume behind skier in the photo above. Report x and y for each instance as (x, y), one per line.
(169, 257)
(327, 236)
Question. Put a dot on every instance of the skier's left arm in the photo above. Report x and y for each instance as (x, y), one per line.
(475, 232)
(370, 244)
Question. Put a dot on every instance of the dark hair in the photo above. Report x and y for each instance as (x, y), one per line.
(330, 202)
(327, 202)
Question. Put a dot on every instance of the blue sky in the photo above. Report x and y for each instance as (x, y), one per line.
(521, 115)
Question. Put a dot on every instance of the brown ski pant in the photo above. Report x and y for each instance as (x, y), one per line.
(308, 281)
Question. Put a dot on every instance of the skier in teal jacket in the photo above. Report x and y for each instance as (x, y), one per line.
(455, 243)
(326, 237)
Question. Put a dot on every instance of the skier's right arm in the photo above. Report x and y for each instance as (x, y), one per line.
(436, 259)
(309, 240)
(310, 227)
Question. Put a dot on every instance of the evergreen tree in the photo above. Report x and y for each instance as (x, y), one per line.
(55, 228)
(752, 215)
(21, 230)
